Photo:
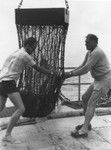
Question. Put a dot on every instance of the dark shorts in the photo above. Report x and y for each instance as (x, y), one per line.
(8, 87)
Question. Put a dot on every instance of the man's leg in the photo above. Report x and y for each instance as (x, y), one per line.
(2, 102)
(86, 96)
(17, 101)
(95, 97)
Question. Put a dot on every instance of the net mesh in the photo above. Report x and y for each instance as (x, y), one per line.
(39, 91)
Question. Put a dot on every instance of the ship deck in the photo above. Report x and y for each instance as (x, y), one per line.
(54, 134)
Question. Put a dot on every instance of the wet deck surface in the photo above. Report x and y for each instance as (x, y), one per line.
(55, 135)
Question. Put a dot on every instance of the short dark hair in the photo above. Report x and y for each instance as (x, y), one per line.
(30, 41)
(92, 37)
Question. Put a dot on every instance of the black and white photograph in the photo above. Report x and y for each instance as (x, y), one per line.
(55, 75)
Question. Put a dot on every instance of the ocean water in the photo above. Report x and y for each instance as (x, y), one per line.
(71, 91)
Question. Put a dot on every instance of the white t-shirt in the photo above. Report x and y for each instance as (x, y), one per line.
(15, 64)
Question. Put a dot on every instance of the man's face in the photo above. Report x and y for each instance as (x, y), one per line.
(90, 44)
(32, 48)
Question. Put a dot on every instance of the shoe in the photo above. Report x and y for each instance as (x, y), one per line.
(80, 126)
(10, 139)
(78, 135)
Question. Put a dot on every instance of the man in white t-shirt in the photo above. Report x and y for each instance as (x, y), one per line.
(97, 63)
(9, 74)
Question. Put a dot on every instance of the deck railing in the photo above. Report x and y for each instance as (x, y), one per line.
(79, 83)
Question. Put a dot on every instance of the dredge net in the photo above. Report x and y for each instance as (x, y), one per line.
(40, 92)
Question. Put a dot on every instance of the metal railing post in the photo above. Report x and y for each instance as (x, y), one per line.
(79, 88)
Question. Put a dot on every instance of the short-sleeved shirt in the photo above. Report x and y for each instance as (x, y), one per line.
(15, 64)
(98, 64)
(100, 70)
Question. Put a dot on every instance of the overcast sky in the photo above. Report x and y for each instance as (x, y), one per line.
(85, 17)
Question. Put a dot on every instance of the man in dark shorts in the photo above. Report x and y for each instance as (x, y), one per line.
(9, 74)
(97, 63)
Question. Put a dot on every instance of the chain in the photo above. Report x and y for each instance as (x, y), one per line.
(67, 5)
(66, 2)
(20, 4)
